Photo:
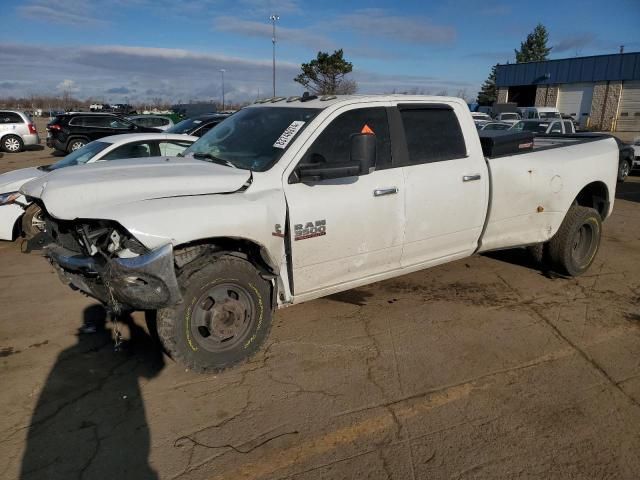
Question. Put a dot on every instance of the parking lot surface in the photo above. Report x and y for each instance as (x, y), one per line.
(482, 368)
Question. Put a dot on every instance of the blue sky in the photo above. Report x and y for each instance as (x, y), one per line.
(171, 49)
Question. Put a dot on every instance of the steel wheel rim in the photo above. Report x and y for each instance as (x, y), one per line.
(12, 144)
(583, 243)
(221, 318)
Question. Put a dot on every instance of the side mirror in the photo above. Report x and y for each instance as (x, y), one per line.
(363, 152)
(362, 161)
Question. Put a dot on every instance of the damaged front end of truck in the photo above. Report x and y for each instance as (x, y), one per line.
(103, 260)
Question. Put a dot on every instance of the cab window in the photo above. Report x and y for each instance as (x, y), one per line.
(333, 146)
(131, 150)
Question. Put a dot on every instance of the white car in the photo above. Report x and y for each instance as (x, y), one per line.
(14, 207)
(636, 154)
(17, 130)
(152, 121)
(291, 200)
(508, 117)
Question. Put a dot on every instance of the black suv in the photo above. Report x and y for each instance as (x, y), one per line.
(198, 126)
(70, 131)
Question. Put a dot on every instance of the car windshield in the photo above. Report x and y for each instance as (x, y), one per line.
(80, 156)
(509, 116)
(549, 115)
(254, 138)
(185, 126)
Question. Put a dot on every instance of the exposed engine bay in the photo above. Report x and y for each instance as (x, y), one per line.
(103, 260)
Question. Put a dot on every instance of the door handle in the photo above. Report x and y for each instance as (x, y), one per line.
(379, 192)
(471, 178)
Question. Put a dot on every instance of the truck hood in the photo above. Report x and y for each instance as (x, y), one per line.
(12, 181)
(71, 193)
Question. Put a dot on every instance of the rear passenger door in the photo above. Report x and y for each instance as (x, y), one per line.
(445, 182)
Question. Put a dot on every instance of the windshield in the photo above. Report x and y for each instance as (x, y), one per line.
(509, 116)
(549, 115)
(254, 138)
(80, 156)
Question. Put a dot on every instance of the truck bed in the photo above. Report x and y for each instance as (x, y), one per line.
(500, 143)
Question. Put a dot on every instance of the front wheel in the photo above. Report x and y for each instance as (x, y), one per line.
(224, 317)
(32, 221)
(573, 248)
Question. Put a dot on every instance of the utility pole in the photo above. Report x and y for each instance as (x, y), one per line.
(222, 70)
(274, 19)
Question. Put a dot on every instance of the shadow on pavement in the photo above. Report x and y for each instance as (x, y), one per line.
(90, 419)
(629, 190)
(521, 257)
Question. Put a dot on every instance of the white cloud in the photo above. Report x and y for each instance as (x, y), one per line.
(67, 85)
(81, 13)
(265, 30)
(376, 22)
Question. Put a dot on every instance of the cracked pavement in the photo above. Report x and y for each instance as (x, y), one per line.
(482, 368)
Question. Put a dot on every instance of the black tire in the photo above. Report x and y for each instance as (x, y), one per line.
(12, 144)
(573, 248)
(76, 144)
(32, 222)
(207, 334)
(623, 170)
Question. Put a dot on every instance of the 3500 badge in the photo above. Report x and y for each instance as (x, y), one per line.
(302, 231)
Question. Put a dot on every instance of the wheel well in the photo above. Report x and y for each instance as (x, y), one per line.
(252, 251)
(595, 195)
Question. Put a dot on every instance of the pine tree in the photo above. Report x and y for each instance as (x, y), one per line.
(534, 48)
(326, 74)
(488, 93)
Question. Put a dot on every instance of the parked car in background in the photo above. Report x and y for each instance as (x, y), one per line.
(539, 113)
(480, 118)
(198, 126)
(70, 131)
(13, 206)
(152, 121)
(626, 158)
(508, 117)
(16, 131)
(576, 124)
(636, 154)
(494, 126)
(563, 127)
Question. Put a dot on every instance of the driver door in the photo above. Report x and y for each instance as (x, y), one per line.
(344, 232)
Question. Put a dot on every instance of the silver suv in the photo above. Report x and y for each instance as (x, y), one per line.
(16, 131)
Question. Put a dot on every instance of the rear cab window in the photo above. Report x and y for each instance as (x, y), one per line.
(432, 132)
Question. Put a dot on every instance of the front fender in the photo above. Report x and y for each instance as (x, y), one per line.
(188, 219)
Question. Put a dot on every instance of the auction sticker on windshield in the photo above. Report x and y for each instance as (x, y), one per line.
(288, 134)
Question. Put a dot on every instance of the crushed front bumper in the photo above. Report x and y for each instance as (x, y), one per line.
(144, 282)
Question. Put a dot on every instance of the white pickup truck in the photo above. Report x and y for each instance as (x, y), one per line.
(293, 199)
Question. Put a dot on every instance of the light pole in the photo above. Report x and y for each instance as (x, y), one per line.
(222, 70)
(274, 19)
